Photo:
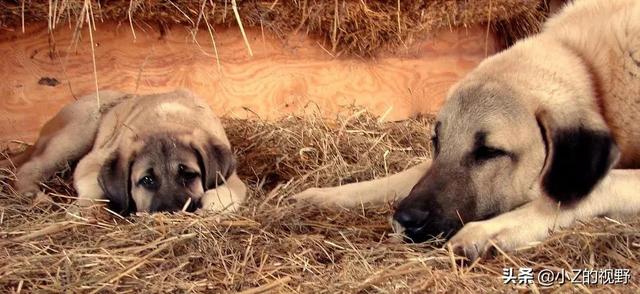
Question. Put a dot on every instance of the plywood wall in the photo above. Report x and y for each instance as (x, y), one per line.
(282, 76)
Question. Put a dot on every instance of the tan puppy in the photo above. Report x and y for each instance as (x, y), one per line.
(538, 125)
(162, 152)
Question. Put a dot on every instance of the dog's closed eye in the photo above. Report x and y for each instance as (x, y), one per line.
(435, 144)
(484, 153)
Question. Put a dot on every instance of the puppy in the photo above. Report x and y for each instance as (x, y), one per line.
(150, 153)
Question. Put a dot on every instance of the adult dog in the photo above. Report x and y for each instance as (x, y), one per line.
(162, 152)
(527, 141)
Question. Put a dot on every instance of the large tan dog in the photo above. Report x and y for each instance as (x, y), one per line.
(526, 142)
(163, 152)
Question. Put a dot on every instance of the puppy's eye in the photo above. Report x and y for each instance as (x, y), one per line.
(486, 153)
(186, 174)
(189, 175)
(148, 182)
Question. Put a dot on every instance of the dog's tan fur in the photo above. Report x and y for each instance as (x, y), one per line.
(122, 126)
(582, 72)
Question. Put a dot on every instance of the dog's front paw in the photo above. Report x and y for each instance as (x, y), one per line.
(312, 195)
(473, 240)
(506, 233)
(322, 197)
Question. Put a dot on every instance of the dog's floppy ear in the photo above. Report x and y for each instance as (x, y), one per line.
(217, 162)
(114, 179)
(578, 157)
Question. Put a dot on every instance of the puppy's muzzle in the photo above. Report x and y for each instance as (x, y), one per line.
(194, 204)
(188, 204)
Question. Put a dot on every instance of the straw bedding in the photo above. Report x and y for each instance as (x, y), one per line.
(345, 26)
(274, 244)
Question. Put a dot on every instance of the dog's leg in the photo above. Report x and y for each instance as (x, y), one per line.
(227, 197)
(617, 195)
(391, 188)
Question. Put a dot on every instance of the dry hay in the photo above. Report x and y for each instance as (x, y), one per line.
(346, 26)
(273, 244)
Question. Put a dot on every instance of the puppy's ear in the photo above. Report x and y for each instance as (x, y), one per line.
(217, 162)
(578, 157)
(114, 181)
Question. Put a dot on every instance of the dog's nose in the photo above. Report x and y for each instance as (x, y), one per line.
(412, 220)
(419, 225)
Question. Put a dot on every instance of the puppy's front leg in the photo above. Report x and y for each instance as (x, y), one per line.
(394, 187)
(617, 195)
(85, 178)
(227, 197)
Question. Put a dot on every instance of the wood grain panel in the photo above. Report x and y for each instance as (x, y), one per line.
(282, 77)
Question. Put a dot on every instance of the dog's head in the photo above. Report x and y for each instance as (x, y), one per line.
(161, 172)
(495, 151)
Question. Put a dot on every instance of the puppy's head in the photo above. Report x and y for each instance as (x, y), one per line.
(494, 152)
(162, 172)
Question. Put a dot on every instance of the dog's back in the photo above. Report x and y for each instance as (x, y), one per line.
(606, 34)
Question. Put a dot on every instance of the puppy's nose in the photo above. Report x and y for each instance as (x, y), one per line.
(413, 220)
(194, 205)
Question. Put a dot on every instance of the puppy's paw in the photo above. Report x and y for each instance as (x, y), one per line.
(221, 199)
(39, 199)
(90, 214)
(218, 208)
